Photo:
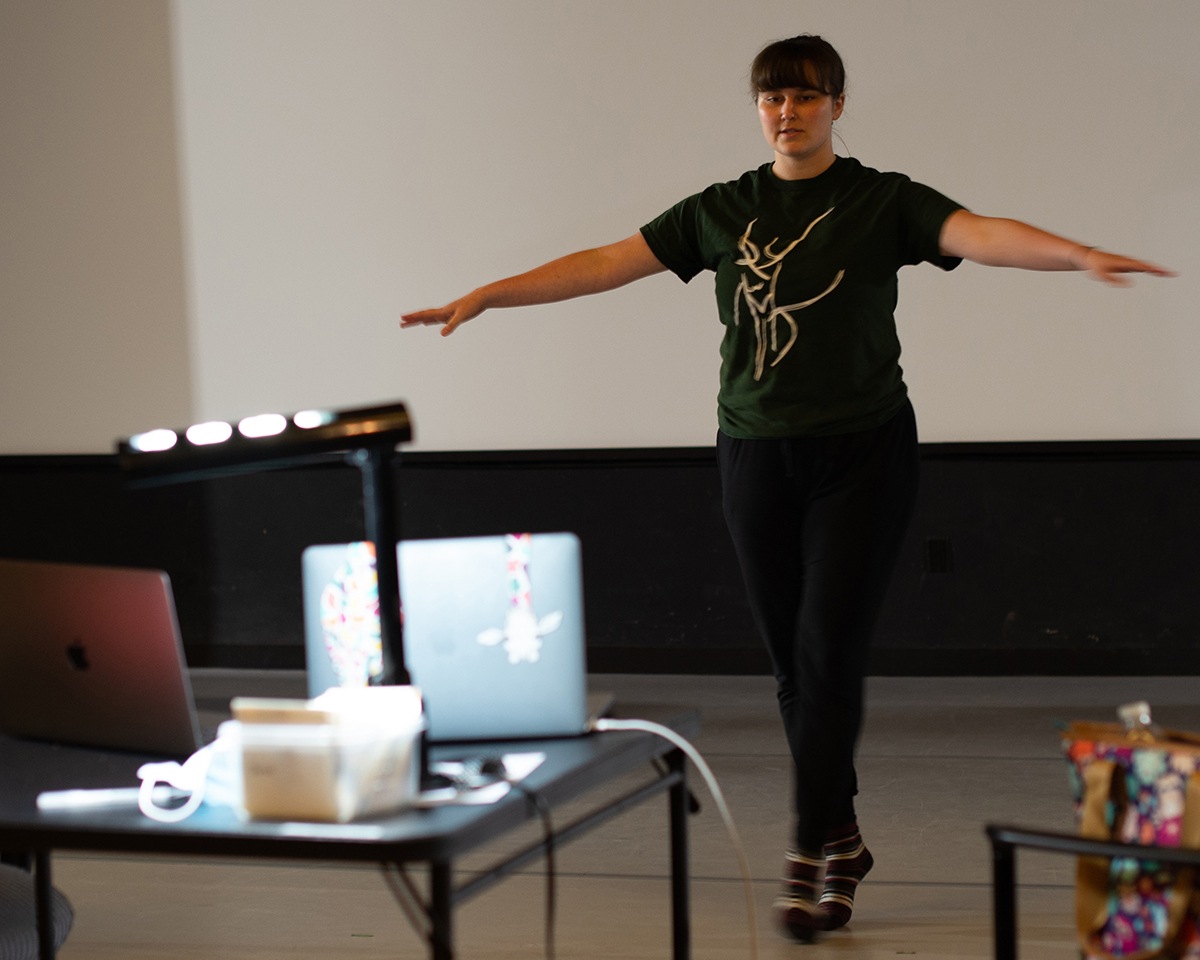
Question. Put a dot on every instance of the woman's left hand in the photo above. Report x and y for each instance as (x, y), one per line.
(1000, 242)
(1113, 267)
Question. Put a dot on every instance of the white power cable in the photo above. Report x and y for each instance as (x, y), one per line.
(647, 726)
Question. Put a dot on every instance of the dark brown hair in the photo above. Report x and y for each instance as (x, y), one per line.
(806, 61)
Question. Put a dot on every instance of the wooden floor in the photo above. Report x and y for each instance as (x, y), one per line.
(939, 759)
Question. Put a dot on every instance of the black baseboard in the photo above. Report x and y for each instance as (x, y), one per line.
(1037, 558)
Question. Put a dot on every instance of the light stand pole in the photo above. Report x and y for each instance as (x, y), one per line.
(368, 436)
(379, 515)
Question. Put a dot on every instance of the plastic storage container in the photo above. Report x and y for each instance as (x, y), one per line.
(332, 759)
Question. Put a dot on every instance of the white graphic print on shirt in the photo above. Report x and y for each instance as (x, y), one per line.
(762, 271)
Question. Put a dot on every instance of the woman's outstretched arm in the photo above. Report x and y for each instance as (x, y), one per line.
(575, 275)
(997, 242)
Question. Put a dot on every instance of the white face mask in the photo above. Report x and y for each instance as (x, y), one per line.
(207, 775)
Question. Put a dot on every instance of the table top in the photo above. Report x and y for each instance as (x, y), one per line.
(572, 766)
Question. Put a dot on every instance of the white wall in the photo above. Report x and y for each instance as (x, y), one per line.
(343, 162)
(93, 317)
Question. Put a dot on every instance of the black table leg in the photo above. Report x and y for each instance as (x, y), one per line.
(1004, 899)
(679, 800)
(441, 912)
(45, 904)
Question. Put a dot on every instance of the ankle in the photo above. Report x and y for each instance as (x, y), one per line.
(797, 904)
(839, 838)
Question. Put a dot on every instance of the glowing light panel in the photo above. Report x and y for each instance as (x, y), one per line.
(153, 440)
(311, 419)
(202, 434)
(263, 425)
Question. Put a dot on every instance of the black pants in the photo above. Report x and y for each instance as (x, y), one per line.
(817, 525)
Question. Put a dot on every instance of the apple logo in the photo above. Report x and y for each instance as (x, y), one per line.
(77, 656)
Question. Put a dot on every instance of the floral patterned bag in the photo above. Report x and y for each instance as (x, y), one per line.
(1136, 784)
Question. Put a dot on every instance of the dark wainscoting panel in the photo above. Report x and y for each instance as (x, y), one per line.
(1063, 558)
(1080, 558)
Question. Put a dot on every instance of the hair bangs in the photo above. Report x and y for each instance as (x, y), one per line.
(805, 62)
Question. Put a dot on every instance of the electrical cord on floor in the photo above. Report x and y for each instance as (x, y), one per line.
(605, 724)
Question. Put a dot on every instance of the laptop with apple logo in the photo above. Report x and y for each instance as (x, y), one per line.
(92, 655)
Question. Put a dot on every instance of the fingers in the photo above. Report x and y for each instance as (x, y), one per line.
(1114, 269)
(445, 317)
(456, 314)
(448, 317)
(424, 318)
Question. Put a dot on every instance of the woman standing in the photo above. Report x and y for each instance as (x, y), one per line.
(817, 443)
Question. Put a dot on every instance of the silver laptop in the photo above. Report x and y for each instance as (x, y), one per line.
(341, 616)
(92, 655)
(493, 632)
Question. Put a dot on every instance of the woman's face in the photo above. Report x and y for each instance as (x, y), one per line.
(798, 125)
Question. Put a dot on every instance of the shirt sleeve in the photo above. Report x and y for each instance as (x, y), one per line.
(925, 211)
(675, 237)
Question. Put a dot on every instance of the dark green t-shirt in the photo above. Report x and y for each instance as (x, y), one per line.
(806, 288)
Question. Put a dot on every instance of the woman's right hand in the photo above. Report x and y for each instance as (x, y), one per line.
(577, 274)
(448, 317)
